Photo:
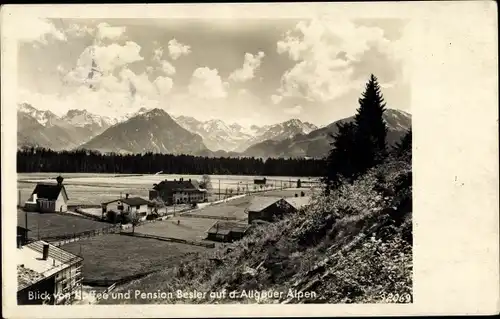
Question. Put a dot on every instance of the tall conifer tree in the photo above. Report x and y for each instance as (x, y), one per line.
(371, 131)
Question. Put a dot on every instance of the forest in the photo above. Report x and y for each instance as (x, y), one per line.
(34, 160)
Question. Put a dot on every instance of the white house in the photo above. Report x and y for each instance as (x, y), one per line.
(48, 198)
(129, 205)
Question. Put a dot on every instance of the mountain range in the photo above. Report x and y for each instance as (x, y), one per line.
(154, 130)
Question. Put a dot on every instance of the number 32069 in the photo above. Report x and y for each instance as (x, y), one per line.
(396, 298)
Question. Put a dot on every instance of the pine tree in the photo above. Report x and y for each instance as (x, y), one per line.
(371, 130)
(403, 149)
(361, 144)
(339, 161)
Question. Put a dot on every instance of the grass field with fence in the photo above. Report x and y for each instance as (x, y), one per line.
(188, 228)
(115, 256)
(54, 224)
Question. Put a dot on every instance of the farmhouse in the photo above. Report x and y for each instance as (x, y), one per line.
(178, 192)
(299, 202)
(268, 208)
(225, 231)
(48, 198)
(47, 274)
(128, 205)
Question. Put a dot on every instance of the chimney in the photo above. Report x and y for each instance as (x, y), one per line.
(45, 255)
(126, 195)
(59, 180)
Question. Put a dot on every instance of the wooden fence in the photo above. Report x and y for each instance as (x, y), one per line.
(211, 217)
(68, 238)
(88, 215)
(170, 239)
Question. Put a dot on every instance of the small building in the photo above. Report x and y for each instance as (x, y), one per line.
(178, 192)
(47, 274)
(129, 205)
(268, 208)
(299, 202)
(260, 181)
(226, 231)
(48, 198)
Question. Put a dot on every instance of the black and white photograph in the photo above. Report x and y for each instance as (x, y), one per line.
(214, 160)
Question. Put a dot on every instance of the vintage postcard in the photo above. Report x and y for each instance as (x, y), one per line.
(267, 159)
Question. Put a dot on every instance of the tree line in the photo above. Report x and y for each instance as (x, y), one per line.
(361, 144)
(32, 159)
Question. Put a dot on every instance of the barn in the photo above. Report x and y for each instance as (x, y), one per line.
(226, 231)
(268, 208)
(48, 198)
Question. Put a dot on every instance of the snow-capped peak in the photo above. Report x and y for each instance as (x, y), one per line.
(81, 118)
(45, 118)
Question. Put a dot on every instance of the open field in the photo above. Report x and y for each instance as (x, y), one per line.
(115, 256)
(189, 228)
(48, 225)
(93, 189)
(87, 195)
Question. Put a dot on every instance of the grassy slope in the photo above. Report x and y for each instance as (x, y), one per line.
(352, 246)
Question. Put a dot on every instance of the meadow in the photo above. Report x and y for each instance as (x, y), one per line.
(189, 228)
(50, 225)
(93, 189)
(114, 256)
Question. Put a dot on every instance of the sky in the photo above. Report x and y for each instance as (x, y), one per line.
(246, 71)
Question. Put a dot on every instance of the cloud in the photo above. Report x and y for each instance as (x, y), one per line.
(295, 110)
(105, 31)
(327, 52)
(163, 85)
(250, 64)
(276, 99)
(35, 29)
(78, 30)
(207, 84)
(157, 54)
(167, 68)
(177, 49)
(103, 60)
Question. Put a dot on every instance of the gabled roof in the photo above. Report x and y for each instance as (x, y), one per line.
(136, 201)
(131, 201)
(177, 185)
(225, 227)
(260, 203)
(299, 202)
(48, 191)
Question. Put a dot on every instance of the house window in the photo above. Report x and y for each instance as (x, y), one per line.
(137, 207)
(120, 207)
